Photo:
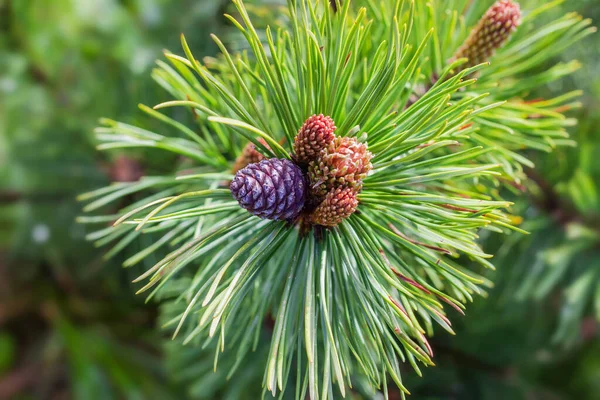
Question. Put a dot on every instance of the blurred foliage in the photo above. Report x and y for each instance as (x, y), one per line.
(71, 327)
(560, 261)
(536, 336)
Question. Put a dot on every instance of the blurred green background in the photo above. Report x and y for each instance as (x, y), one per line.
(70, 327)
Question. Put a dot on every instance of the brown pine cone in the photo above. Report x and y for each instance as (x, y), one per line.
(249, 156)
(338, 205)
(491, 33)
(345, 162)
(316, 134)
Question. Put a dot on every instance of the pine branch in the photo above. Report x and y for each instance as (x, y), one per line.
(357, 218)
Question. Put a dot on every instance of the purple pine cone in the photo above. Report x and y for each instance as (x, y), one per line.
(272, 189)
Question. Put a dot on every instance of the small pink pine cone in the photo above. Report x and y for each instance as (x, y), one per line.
(338, 205)
(344, 162)
(316, 134)
(249, 156)
(490, 34)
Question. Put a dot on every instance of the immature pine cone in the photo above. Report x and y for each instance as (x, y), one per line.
(345, 162)
(272, 189)
(316, 133)
(338, 205)
(490, 33)
(249, 155)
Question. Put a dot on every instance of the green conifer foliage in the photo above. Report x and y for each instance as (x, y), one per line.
(352, 299)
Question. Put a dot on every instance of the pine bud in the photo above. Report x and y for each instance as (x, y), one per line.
(491, 33)
(345, 162)
(316, 133)
(337, 206)
(273, 189)
(249, 155)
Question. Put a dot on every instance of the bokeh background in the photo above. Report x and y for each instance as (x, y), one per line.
(70, 326)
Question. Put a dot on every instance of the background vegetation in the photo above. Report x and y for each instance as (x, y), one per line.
(70, 326)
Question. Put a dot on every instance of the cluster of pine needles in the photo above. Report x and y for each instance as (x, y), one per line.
(446, 136)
